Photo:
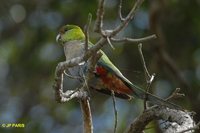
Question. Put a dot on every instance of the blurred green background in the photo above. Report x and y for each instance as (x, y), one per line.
(29, 55)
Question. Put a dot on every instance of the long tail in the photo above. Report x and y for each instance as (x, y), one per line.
(139, 93)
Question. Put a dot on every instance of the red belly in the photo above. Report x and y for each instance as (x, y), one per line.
(112, 82)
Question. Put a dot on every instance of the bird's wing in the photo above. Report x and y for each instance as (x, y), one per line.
(106, 63)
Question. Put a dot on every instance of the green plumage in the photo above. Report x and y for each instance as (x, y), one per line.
(73, 33)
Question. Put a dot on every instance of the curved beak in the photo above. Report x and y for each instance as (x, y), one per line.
(58, 37)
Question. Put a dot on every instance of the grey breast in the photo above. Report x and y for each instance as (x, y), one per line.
(72, 50)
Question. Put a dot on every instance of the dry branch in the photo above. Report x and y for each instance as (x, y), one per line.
(115, 111)
(180, 118)
(86, 113)
(99, 20)
(134, 40)
(175, 94)
(120, 11)
(149, 78)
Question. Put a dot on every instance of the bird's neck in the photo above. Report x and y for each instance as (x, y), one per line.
(73, 49)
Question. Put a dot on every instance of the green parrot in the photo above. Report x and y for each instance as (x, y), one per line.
(107, 77)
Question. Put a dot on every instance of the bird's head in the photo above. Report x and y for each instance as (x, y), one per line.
(69, 33)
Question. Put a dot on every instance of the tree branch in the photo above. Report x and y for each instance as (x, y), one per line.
(175, 94)
(180, 118)
(86, 31)
(128, 18)
(133, 40)
(147, 75)
(115, 111)
(99, 21)
(149, 78)
(120, 11)
(86, 113)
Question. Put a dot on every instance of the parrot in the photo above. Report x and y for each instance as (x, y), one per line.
(106, 78)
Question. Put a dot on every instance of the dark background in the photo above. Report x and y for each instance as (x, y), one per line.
(29, 55)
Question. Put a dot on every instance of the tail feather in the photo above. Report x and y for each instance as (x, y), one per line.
(156, 100)
(139, 93)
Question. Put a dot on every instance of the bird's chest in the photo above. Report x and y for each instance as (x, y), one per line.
(72, 50)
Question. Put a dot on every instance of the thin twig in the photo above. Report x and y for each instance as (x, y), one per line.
(175, 94)
(149, 78)
(109, 42)
(115, 110)
(86, 81)
(86, 31)
(128, 18)
(99, 21)
(147, 89)
(120, 11)
(71, 76)
(135, 40)
(147, 75)
(99, 24)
